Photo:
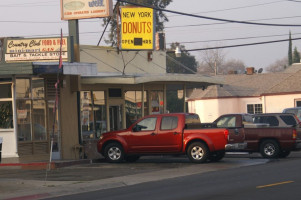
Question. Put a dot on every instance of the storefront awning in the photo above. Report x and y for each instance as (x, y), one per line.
(83, 69)
(191, 80)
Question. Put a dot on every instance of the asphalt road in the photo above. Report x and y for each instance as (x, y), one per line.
(278, 179)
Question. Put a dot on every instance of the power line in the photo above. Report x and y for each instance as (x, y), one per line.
(235, 8)
(101, 61)
(241, 38)
(238, 45)
(29, 4)
(209, 24)
(211, 18)
(294, 1)
(179, 63)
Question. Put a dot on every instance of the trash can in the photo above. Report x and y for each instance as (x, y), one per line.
(1, 140)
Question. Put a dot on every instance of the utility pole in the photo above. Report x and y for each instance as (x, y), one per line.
(215, 68)
(74, 33)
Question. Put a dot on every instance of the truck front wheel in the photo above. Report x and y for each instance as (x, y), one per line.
(114, 153)
(269, 149)
(198, 152)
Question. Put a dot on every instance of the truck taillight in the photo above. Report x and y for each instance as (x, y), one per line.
(294, 134)
(226, 133)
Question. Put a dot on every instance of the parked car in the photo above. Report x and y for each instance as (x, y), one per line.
(164, 134)
(295, 110)
(277, 119)
(270, 141)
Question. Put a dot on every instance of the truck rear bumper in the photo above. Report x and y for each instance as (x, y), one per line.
(298, 145)
(236, 146)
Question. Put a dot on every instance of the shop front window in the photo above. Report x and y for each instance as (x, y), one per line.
(99, 108)
(92, 114)
(31, 109)
(157, 102)
(38, 120)
(133, 106)
(175, 98)
(24, 120)
(23, 88)
(38, 88)
(6, 111)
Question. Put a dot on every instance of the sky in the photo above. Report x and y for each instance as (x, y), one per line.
(41, 18)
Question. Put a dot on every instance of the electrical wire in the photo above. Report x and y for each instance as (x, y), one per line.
(235, 8)
(141, 69)
(294, 1)
(152, 62)
(230, 39)
(101, 61)
(253, 20)
(238, 45)
(179, 63)
(212, 18)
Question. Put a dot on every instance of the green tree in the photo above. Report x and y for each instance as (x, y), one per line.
(174, 103)
(296, 56)
(290, 50)
(186, 64)
(160, 17)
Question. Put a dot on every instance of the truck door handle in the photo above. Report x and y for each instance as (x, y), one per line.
(175, 133)
(153, 133)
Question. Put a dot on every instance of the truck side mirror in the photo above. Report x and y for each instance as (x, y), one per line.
(135, 128)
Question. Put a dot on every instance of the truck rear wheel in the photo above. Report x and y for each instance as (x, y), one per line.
(114, 153)
(269, 149)
(198, 152)
(216, 156)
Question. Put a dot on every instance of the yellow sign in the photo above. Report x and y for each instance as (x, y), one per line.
(137, 28)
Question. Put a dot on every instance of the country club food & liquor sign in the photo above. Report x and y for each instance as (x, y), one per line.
(42, 49)
(84, 9)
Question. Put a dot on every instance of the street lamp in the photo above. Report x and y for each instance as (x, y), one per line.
(178, 52)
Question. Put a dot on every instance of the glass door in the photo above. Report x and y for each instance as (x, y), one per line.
(115, 117)
(53, 130)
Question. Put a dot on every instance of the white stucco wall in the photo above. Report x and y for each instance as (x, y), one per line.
(9, 144)
(277, 103)
(210, 109)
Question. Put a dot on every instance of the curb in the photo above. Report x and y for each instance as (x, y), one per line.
(43, 165)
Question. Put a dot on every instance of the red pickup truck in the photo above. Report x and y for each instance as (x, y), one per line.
(271, 141)
(164, 134)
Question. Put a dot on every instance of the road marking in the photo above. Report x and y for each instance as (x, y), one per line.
(274, 184)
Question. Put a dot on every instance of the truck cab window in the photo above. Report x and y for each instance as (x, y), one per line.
(148, 124)
(169, 123)
(226, 122)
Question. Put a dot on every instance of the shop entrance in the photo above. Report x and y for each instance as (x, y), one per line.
(115, 113)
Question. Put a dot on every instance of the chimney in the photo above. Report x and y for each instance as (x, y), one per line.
(250, 70)
(160, 41)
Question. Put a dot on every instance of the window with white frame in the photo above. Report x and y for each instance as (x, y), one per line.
(254, 108)
(6, 109)
(297, 102)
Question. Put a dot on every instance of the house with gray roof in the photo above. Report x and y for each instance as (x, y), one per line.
(248, 93)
